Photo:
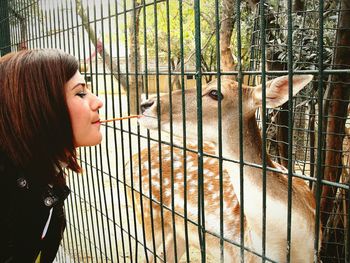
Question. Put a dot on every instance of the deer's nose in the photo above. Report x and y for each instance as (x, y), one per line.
(145, 105)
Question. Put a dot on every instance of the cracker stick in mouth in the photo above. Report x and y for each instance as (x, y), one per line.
(121, 118)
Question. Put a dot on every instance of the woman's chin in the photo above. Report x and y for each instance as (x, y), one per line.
(90, 142)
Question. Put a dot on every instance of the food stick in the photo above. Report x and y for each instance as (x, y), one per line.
(121, 118)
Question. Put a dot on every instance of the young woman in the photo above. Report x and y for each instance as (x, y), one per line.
(46, 112)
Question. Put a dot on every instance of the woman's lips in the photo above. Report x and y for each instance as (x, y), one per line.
(96, 122)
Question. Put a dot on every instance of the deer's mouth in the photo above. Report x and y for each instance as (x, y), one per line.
(148, 121)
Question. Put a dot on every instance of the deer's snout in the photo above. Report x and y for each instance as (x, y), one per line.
(146, 105)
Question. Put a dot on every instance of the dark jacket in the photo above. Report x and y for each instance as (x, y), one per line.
(25, 209)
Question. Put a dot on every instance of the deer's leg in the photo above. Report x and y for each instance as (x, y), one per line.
(153, 229)
(170, 247)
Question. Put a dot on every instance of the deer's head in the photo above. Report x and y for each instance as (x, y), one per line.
(185, 114)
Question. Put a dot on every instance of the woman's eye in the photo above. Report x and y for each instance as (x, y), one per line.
(81, 94)
(215, 95)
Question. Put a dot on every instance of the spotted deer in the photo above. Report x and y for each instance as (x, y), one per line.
(158, 178)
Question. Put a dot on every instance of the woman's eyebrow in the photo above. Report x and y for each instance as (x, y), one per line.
(78, 84)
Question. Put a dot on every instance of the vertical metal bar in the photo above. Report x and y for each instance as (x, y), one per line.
(241, 132)
(40, 25)
(64, 28)
(183, 100)
(128, 102)
(290, 125)
(106, 152)
(54, 27)
(70, 213)
(155, 5)
(86, 155)
(14, 29)
(148, 140)
(218, 79)
(46, 28)
(319, 131)
(57, 42)
(83, 245)
(97, 197)
(176, 259)
(347, 227)
(92, 198)
(75, 226)
(136, 78)
(98, 149)
(121, 134)
(95, 236)
(75, 185)
(35, 7)
(201, 211)
(263, 123)
(50, 26)
(5, 39)
(113, 205)
(31, 36)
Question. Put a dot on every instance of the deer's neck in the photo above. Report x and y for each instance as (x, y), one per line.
(252, 143)
(252, 176)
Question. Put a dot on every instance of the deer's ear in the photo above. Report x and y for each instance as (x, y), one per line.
(277, 90)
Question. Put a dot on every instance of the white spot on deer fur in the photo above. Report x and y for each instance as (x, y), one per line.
(167, 193)
(145, 166)
(192, 169)
(192, 183)
(179, 176)
(167, 159)
(155, 173)
(212, 161)
(189, 158)
(210, 187)
(215, 197)
(192, 190)
(155, 184)
(177, 164)
(179, 202)
(208, 173)
(166, 181)
(190, 164)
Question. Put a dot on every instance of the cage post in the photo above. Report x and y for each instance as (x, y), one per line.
(5, 41)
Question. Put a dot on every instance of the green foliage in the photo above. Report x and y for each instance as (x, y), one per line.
(154, 21)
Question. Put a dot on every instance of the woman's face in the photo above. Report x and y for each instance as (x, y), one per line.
(83, 109)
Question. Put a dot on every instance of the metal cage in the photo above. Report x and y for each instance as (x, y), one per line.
(134, 49)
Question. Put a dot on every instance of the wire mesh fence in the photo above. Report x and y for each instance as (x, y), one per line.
(149, 195)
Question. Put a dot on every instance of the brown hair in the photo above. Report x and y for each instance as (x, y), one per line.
(35, 127)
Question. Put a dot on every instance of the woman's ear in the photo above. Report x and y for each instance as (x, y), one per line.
(277, 90)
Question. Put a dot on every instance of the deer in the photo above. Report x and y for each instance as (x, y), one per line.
(156, 186)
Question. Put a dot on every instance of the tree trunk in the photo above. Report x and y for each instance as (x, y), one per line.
(226, 28)
(135, 80)
(112, 66)
(338, 96)
(298, 6)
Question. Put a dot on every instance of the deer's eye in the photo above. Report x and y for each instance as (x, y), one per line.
(215, 95)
